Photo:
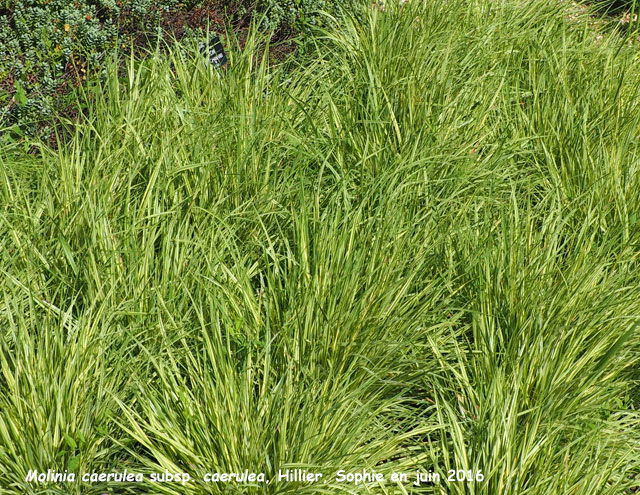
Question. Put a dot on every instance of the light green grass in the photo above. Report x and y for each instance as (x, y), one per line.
(416, 250)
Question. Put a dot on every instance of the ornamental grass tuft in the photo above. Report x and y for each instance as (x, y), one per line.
(415, 250)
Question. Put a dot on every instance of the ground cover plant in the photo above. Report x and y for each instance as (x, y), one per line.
(415, 250)
(47, 47)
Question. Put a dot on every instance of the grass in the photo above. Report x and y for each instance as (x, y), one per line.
(416, 250)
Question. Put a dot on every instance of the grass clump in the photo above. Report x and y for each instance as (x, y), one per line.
(417, 251)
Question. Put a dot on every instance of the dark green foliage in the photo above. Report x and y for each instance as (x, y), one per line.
(614, 5)
(300, 13)
(46, 45)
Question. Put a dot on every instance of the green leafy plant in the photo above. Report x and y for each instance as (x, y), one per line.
(40, 42)
(417, 249)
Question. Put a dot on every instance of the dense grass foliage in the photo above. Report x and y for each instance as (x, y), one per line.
(300, 14)
(418, 250)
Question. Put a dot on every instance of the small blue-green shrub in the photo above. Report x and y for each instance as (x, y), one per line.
(42, 40)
